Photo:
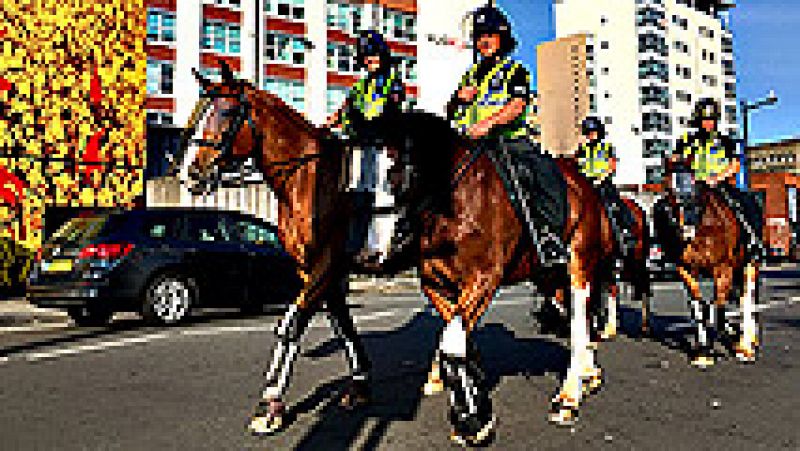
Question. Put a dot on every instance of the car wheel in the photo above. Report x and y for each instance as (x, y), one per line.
(168, 300)
(87, 317)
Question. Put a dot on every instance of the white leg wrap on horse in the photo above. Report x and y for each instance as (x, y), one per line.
(581, 358)
(748, 304)
(454, 339)
(287, 353)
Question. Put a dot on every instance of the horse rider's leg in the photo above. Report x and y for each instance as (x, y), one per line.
(268, 418)
(357, 392)
(747, 347)
(735, 199)
(470, 406)
(582, 364)
(701, 352)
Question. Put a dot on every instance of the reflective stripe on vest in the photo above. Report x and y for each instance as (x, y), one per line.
(371, 99)
(595, 161)
(488, 103)
(708, 157)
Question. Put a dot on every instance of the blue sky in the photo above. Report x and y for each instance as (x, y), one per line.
(764, 33)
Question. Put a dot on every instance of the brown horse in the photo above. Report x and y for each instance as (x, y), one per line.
(465, 255)
(712, 249)
(630, 269)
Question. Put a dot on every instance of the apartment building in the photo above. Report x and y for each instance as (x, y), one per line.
(301, 50)
(640, 65)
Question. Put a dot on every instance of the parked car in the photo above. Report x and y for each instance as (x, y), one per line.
(161, 263)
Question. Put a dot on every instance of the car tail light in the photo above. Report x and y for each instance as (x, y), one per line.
(105, 251)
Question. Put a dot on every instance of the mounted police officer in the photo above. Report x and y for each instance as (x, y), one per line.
(372, 104)
(598, 162)
(712, 159)
(490, 106)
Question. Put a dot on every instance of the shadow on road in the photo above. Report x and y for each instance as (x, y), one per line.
(401, 359)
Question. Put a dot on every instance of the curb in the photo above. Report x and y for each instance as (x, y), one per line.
(19, 313)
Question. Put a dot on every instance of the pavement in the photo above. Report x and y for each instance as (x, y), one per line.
(132, 386)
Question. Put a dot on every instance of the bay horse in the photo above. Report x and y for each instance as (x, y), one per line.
(711, 249)
(464, 255)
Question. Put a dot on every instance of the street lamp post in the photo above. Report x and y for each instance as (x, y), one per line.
(746, 107)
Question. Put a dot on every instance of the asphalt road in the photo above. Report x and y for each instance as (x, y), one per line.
(193, 387)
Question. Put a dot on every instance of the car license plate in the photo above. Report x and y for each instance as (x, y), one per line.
(62, 265)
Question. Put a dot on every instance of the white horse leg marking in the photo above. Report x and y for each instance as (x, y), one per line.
(749, 339)
(454, 339)
(610, 329)
(581, 357)
(699, 319)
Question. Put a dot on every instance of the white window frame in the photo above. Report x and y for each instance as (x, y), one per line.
(335, 97)
(334, 53)
(343, 16)
(293, 92)
(161, 29)
(297, 10)
(158, 89)
(407, 33)
(408, 68)
(289, 40)
(231, 4)
(227, 40)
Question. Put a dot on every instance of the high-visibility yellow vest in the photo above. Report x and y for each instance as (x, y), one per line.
(488, 101)
(370, 98)
(595, 161)
(708, 157)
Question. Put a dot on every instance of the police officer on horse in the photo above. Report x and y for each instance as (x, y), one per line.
(372, 104)
(711, 157)
(597, 161)
(490, 106)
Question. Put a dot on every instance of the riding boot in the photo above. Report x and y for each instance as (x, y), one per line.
(751, 236)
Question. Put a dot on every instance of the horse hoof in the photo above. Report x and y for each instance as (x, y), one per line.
(268, 419)
(746, 353)
(703, 362)
(563, 416)
(593, 383)
(354, 397)
(609, 333)
(433, 387)
(481, 438)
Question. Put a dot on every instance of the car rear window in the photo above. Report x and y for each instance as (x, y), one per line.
(79, 230)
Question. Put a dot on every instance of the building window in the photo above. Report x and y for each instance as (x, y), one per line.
(655, 95)
(408, 68)
(649, 17)
(292, 92)
(159, 76)
(284, 48)
(653, 69)
(399, 25)
(221, 37)
(649, 42)
(656, 148)
(654, 175)
(656, 122)
(683, 96)
(335, 97)
(214, 73)
(160, 25)
(228, 3)
(344, 16)
(159, 118)
(604, 45)
(341, 58)
(603, 20)
(287, 9)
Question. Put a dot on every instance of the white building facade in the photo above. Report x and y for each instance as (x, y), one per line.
(301, 50)
(648, 62)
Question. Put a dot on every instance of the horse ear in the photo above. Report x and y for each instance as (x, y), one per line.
(204, 82)
(225, 71)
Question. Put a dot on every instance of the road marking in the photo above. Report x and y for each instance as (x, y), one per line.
(377, 315)
(80, 349)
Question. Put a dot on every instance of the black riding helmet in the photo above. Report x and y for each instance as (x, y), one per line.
(372, 43)
(490, 20)
(593, 124)
(705, 109)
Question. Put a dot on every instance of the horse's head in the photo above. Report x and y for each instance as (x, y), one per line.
(221, 129)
